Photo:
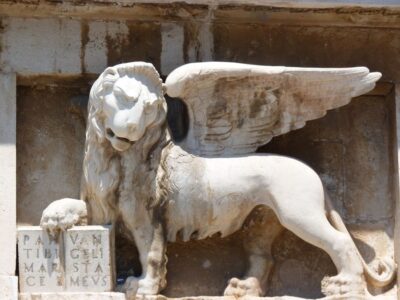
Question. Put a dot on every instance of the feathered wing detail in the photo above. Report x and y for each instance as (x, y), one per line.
(235, 108)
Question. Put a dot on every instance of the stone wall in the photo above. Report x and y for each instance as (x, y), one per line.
(57, 59)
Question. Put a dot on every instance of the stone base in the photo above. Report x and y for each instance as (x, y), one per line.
(391, 296)
(8, 287)
(72, 296)
(121, 296)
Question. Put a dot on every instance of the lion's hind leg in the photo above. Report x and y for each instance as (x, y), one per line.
(311, 225)
(260, 231)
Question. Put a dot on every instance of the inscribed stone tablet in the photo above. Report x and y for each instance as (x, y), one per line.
(40, 264)
(88, 260)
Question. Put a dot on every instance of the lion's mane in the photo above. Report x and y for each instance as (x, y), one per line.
(111, 178)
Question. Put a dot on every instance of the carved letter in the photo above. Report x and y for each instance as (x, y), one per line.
(74, 239)
(47, 253)
(84, 281)
(26, 239)
(29, 282)
(30, 269)
(76, 251)
(74, 282)
(39, 241)
(27, 252)
(96, 239)
(76, 268)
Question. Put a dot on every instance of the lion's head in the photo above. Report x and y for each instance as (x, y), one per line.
(127, 99)
(126, 123)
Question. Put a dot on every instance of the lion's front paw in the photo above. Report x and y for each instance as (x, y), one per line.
(63, 214)
(246, 287)
(134, 287)
(148, 287)
(343, 284)
(130, 287)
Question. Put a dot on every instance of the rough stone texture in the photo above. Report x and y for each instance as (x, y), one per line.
(56, 143)
(41, 268)
(172, 39)
(89, 46)
(72, 296)
(134, 41)
(41, 46)
(307, 46)
(95, 49)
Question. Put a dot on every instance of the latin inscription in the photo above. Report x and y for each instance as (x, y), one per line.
(87, 260)
(79, 260)
(40, 264)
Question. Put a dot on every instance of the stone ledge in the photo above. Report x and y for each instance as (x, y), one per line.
(389, 296)
(121, 296)
(367, 13)
(72, 296)
(272, 3)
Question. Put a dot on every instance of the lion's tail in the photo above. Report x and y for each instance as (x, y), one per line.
(387, 267)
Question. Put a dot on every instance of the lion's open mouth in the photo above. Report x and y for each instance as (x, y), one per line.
(119, 143)
(112, 135)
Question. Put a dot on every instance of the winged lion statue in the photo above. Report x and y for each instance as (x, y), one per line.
(211, 181)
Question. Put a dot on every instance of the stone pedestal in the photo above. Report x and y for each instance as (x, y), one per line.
(72, 296)
(78, 260)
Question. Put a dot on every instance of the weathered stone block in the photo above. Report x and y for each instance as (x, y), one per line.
(40, 265)
(72, 296)
(88, 261)
(8, 287)
(79, 260)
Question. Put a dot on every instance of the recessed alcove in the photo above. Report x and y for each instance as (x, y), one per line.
(351, 148)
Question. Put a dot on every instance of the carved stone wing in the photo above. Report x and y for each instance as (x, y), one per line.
(235, 108)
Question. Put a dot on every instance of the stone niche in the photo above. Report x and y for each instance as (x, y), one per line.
(353, 148)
